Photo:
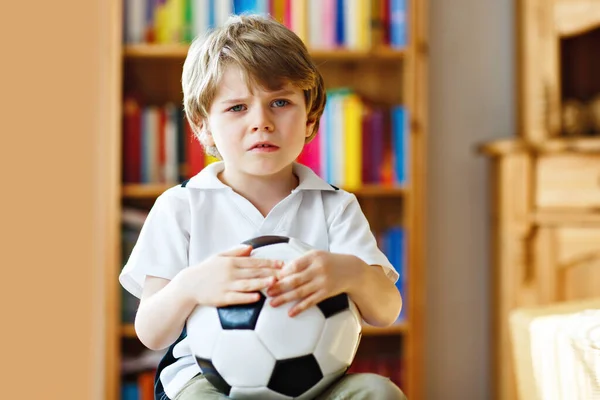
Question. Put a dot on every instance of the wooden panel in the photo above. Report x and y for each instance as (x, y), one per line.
(573, 17)
(512, 185)
(578, 263)
(568, 180)
(539, 89)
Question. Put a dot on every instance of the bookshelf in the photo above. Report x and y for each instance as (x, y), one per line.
(388, 76)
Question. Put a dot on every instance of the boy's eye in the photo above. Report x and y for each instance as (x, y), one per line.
(280, 103)
(237, 108)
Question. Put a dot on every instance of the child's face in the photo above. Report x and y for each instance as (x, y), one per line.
(259, 133)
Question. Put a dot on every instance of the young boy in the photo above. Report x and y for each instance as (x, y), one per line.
(254, 98)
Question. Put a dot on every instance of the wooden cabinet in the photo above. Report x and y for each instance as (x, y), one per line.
(546, 238)
(545, 183)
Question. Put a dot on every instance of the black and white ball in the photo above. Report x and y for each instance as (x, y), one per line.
(256, 351)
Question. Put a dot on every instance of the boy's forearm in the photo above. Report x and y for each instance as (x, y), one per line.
(161, 318)
(375, 295)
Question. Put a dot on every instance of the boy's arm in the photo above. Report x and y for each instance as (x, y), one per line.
(375, 295)
(162, 312)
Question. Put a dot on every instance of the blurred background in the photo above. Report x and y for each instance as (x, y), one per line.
(469, 131)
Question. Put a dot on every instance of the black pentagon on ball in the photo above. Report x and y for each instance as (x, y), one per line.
(294, 376)
(241, 316)
(212, 375)
(261, 241)
(334, 305)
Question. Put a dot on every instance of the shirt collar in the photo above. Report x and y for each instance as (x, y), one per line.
(207, 178)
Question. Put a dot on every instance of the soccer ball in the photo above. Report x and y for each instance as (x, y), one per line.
(256, 351)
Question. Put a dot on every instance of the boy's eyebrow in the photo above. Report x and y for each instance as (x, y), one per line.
(283, 92)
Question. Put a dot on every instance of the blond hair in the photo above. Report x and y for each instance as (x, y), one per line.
(269, 55)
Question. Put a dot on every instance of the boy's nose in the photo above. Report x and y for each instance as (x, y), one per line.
(263, 128)
(262, 122)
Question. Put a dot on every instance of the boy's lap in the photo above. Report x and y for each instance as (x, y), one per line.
(350, 387)
(198, 388)
(362, 386)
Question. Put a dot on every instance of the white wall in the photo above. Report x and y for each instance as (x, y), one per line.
(472, 88)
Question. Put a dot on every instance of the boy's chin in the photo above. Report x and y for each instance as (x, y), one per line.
(267, 168)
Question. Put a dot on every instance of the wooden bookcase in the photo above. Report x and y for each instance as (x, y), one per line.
(389, 76)
(545, 182)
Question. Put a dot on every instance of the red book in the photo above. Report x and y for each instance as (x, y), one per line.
(162, 153)
(146, 385)
(132, 132)
(194, 151)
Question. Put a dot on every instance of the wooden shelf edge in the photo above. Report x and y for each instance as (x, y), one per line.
(152, 191)
(556, 145)
(179, 51)
(401, 328)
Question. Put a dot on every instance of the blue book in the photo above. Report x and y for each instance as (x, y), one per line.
(245, 6)
(398, 24)
(327, 132)
(400, 135)
(340, 38)
(211, 14)
(130, 391)
(394, 247)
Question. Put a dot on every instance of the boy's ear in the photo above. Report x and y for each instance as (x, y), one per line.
(205, 136)
(310, 125)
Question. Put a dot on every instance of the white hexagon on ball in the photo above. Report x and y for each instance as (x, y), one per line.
(205, 323)
(277, 330)
(242, 360)
(339, 342)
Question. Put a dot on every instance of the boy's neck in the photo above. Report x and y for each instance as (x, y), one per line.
(264, 192)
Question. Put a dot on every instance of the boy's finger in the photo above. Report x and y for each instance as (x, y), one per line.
(248, 273)
(305, 304)
(258, 263)
(240, 298)
(238, 251)
(288, 283)
(252, 285)
(296, 294)
(295, 266)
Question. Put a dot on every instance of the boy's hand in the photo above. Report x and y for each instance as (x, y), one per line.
(229, 278)
(313, 278)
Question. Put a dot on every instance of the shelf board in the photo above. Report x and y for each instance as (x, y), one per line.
(179, 51)
(128, 330)
(151, 191)
(553, 145)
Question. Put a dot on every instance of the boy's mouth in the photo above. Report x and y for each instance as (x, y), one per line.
(265, 147)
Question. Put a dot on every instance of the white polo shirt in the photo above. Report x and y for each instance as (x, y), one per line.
(193, 221)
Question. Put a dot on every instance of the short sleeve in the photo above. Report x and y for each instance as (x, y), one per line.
(162, 246)
(350, 233)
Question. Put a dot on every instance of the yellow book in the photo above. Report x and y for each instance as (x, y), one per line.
(176, 16)
(376, 25)
(353, 110)
(364, 24)
(161, 21)
(299, 23)
(278, 10)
